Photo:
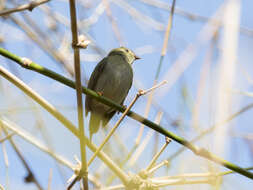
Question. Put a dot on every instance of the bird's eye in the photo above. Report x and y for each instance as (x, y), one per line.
(127, 50)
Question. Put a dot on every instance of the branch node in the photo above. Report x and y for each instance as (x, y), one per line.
(137, 182)
(26, 62)
(143, 92)
(140, 93)
(29, 178)
(32, 5)
(143, 174)
(134, 182)
(77, 170)
(168, 140)
(202, 152)
(82, 43)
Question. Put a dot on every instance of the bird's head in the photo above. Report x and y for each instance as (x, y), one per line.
(128, 54)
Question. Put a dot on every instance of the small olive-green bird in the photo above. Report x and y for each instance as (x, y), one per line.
(112, 78)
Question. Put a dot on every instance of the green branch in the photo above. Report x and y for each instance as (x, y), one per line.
(198, 151)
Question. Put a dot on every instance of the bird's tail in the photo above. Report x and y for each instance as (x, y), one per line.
(94, 124)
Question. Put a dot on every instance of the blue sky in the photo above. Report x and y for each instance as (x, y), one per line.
(147, 42)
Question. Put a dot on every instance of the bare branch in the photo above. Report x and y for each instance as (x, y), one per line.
(29, 6)
(83, 171)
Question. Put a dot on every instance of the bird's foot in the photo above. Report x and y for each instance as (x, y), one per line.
(100, 93)
(124, 106)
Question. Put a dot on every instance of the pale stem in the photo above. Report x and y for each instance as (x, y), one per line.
(168, 140)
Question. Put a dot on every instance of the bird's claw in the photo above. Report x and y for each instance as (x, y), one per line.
(124, 106)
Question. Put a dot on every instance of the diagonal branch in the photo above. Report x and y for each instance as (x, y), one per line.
(198, 151)
(29, 6)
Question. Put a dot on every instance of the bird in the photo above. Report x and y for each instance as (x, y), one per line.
(111, 78)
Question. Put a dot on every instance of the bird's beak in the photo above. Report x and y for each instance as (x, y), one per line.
(136, 57)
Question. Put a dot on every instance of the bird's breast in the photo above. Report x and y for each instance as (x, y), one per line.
(115, 81)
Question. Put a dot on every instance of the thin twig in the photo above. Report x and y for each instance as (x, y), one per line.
(115, 27)
(133, 12)
(153, 88)
(167, 32)
(163, 53)
(29, 6)
(141, 147)
(5, 155)
(197, 175)
(48, 47)
(185, 58)
(164, 183)
(50, 179)
(94, 17)
(156, 167)
(147, 109)
(249, 94)
(7, 137)
(82, 25)
(158, 154)
(187, 175)
(76, 179)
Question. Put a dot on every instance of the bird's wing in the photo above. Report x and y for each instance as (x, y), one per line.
(129, 86)
(93, 81)
(112, 111)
